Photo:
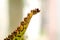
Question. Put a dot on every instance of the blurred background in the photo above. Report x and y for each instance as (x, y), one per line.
(43, 26)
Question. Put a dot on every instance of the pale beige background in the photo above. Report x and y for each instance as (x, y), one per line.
(15, 14)
(10, 16)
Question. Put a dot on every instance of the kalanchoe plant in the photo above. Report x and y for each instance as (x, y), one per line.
(19, 32)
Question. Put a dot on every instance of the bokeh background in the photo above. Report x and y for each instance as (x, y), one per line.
(43, 26)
